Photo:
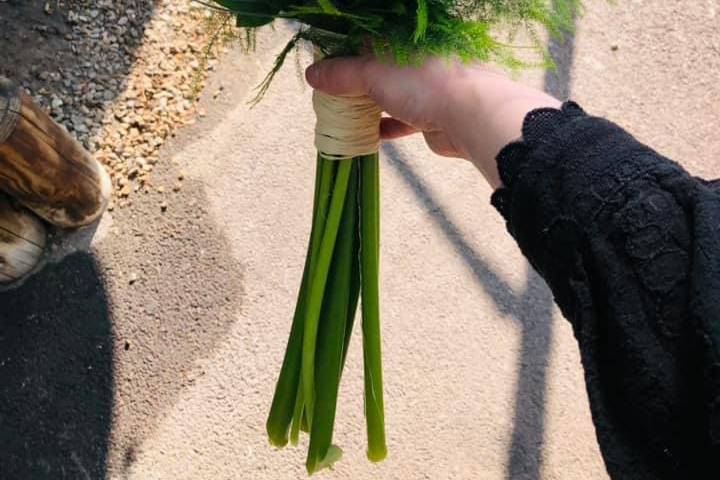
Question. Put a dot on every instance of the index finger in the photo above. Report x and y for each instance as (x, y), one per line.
(341, 76)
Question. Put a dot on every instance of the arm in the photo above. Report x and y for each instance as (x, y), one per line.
(628, 243)
(626, 239)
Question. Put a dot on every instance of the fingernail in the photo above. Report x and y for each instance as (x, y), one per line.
(312, 74)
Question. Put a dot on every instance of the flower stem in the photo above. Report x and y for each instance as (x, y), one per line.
(369, 265)
(330, 343)
(318, 280)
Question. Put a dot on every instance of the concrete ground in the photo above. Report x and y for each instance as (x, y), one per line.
(153, 355)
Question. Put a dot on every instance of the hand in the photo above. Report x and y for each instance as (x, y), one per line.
(466, 111)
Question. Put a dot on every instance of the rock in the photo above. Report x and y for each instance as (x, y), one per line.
(56, 102)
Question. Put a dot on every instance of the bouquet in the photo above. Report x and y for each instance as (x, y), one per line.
(341, 266)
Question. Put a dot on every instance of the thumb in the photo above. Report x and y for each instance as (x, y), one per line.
(341, 76)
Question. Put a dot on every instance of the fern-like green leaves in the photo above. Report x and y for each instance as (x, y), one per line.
(421, 23)
(410, 30)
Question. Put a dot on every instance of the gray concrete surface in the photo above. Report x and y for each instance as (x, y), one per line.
(154, 354)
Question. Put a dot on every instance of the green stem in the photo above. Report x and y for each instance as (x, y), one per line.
(369, 265)
(325, 181)
(297, 416)
(355, 279)
(318, 280)
(324, 187)
(331, 334)
(288, 384)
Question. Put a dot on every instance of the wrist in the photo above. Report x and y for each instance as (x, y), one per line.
(493, 114)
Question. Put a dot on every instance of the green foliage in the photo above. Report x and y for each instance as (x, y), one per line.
(410, 30)
(421, 22)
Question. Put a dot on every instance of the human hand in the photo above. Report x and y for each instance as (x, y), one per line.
(466, 111)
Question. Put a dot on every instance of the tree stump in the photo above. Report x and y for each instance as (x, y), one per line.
(22, 241)
(44, 167)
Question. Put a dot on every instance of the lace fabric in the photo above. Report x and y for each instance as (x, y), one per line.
(629, 243)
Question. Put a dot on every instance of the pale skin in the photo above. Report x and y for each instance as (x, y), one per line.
(464, 111)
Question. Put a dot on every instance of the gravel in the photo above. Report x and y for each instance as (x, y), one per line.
(121, 75)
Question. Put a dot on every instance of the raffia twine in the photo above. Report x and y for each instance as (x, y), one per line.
(345, 127)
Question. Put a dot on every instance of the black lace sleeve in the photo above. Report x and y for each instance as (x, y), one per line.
(629, 243)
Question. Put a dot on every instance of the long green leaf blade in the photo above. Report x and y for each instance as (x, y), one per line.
(369, 264)
(355, 279)
(316, 289)
(330, 341)
(288, 384)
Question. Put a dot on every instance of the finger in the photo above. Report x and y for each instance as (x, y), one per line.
(342, 76)
(399, 91)
(440, 144)
(391, 128)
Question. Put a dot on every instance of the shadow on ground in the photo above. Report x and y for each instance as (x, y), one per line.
(56, 336)
(88, 367)
(532, 308)
(56, 364)
(175, 290)
(558, 82)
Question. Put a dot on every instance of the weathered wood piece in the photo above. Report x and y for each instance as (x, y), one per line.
(22, 241)
(44, 167)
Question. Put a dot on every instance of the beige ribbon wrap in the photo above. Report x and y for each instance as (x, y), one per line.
(346, 126)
